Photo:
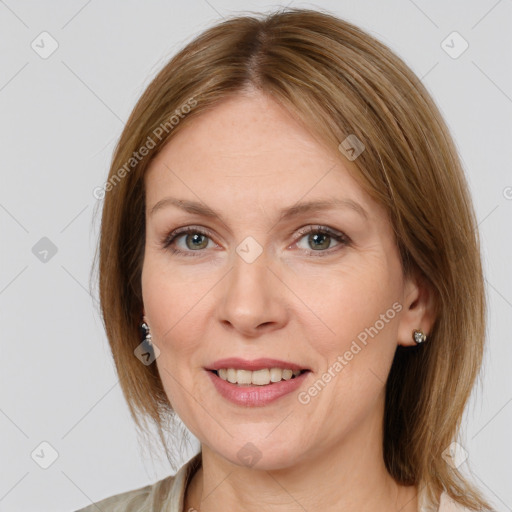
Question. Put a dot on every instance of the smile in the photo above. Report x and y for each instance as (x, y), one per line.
(256, 395)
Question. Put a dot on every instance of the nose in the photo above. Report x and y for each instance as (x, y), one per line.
(253, 299)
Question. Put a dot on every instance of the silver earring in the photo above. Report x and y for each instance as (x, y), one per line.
(419, 336)
(146, 334)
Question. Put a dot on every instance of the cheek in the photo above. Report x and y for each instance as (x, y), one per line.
(345, 304)
(361, 308)
(168, 305)
(170, 301)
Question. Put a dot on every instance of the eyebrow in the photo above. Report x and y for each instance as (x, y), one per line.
(197, 208)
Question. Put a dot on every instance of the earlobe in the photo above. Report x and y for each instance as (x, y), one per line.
(418, 315)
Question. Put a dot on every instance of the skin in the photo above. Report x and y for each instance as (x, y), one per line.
(247, 159)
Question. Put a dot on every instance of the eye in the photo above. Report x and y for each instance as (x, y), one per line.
(195, 239)
(320, 237)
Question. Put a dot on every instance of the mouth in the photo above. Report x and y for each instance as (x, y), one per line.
(262, 377)
(257, 388)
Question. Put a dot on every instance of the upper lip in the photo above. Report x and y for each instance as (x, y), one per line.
(253, 365)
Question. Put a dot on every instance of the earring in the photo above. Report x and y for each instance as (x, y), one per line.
(147, 351)
(419, 336)
(146, 335)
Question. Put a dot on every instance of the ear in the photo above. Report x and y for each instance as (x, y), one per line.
(418, 311)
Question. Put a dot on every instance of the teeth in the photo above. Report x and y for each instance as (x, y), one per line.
(258, 377)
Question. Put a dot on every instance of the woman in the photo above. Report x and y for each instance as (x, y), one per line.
(287, 221)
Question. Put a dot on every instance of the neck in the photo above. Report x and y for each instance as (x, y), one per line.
(349, 475)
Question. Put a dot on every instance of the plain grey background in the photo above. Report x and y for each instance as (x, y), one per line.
(60, 116)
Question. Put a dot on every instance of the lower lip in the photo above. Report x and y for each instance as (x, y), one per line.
(256, 396)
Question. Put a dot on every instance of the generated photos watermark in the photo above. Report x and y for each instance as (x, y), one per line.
(159, 132)
(304, 397)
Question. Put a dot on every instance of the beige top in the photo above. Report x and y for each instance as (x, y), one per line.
(168, 494)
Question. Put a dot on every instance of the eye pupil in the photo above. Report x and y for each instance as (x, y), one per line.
(196, 237)
(321, 236)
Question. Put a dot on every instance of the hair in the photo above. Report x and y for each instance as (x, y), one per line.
(339, 81)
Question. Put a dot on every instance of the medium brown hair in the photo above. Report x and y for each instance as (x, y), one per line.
(339, 81)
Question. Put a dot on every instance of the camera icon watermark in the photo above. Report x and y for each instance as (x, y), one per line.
(249, 249)
(454, 45)
(44, 45)
(44, 250)
(146, 352)
(455, 455)
(44, 455)
(351, 147)
(249, 454)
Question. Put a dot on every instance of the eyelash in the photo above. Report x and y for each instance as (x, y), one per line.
(343, 239)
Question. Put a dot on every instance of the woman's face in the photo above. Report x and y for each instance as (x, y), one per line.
(253, 283)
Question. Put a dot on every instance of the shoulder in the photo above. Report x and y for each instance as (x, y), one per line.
(136, 500)
(165, 494)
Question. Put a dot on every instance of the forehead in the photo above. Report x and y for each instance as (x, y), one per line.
(249, 150)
